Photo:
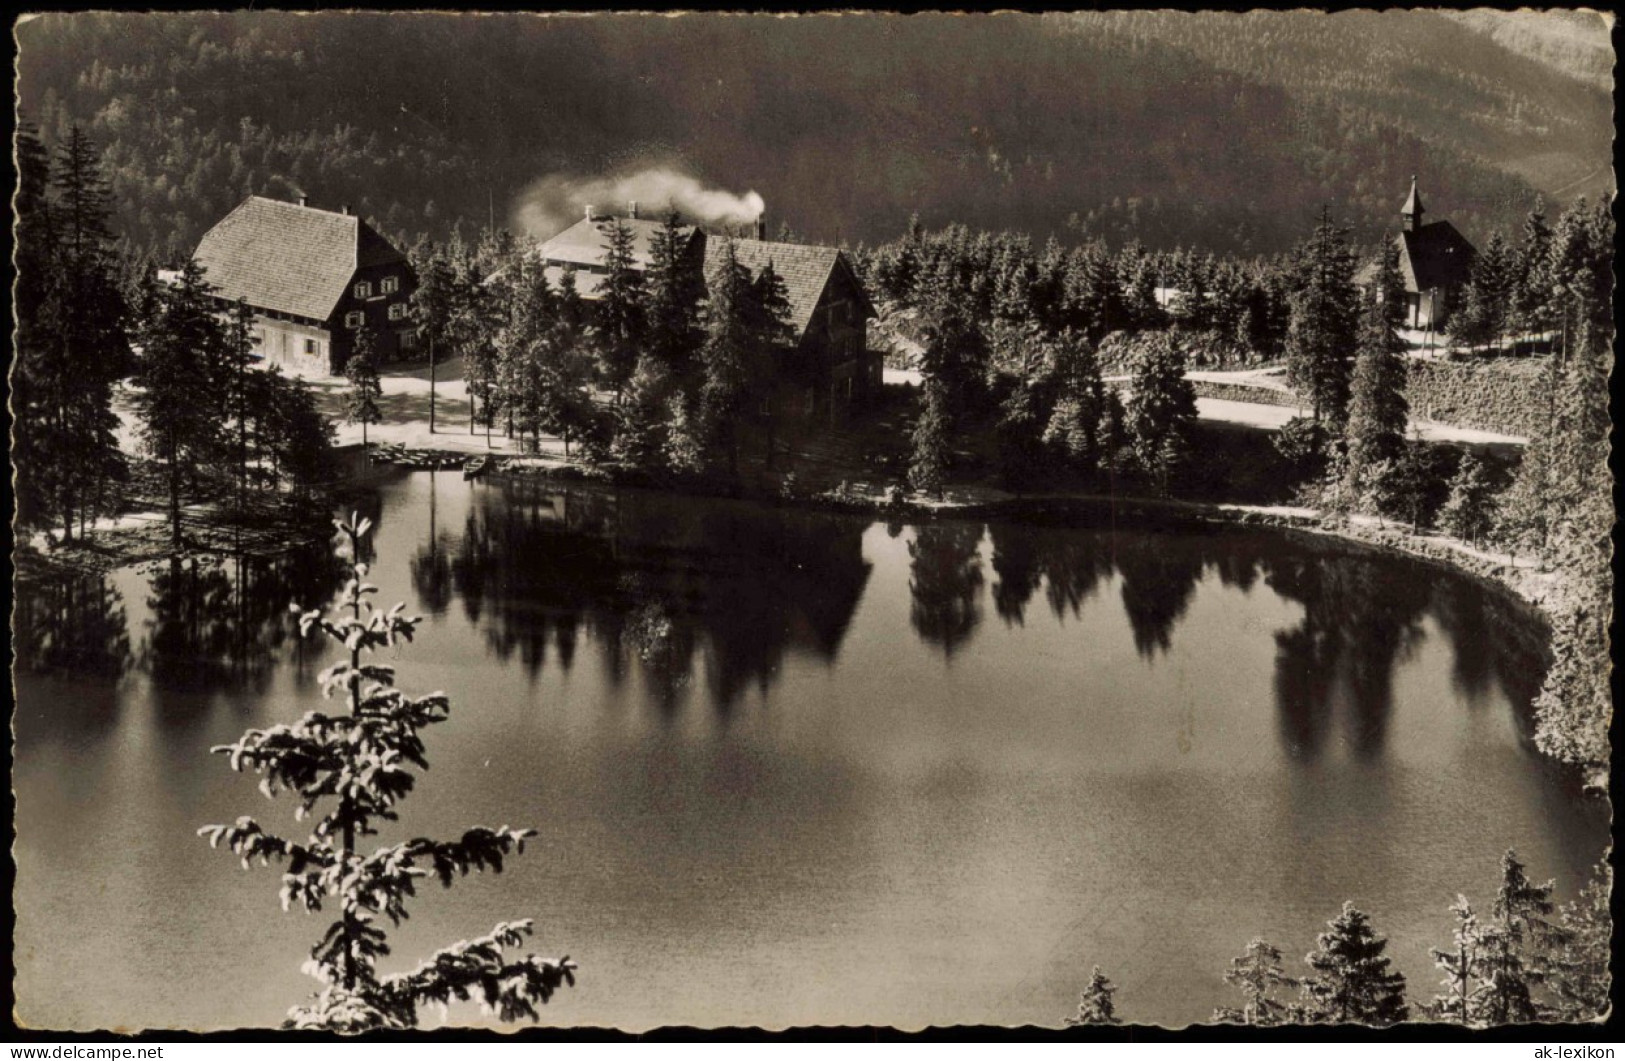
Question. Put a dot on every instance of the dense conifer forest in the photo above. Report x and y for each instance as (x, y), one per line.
(1117, 126)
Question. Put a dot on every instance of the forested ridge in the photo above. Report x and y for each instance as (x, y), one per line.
(1114, 126)
(1474, 84)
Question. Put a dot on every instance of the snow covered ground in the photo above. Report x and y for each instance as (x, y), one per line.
(1273, 417)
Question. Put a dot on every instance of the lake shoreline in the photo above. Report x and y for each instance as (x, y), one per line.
(1538, 594)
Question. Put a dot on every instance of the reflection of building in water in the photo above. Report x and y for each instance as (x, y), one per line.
(660, 579)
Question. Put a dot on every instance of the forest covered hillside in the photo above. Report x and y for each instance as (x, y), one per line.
(1525, 92)
(1210, 131)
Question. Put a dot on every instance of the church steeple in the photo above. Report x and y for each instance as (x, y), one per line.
(1412, 210)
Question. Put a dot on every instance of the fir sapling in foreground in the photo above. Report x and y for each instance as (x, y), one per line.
(349, 771)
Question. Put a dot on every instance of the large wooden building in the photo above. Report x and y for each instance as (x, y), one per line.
(313, 278)
(1435, 261)
(826, 368)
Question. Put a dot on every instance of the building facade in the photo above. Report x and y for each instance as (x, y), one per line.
(313, 278)
(825, 369)
(1435, 262)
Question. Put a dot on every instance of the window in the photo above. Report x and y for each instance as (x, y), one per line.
(409, 340)
(363, 289)
(389, 285)
(810, 400)
(354, 319)
(849, 388)
(310, 346)
(397, 312)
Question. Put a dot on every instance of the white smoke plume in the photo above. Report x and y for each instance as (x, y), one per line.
(553, 203)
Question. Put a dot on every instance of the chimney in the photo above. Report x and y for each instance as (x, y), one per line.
(761, 227)
(589, 212)
(632, 209)
(304, 200)
(345, 209)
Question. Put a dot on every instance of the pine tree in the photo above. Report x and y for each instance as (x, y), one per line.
(928, 467)
(361, 372)
(642, 424)
(1579, 270)
(1352, 981)
(772, 332)
(35, 353)
(1305, 444)
(1378, 411)
(72, 345)
(732, 357)
(620, 311)
(237, 411)
(1161, 407)
(1097, 1006)
(1525, 517)
(1322, 335)
(351, 770)
(179, 378)
(676, 288)
(1081, 428)
(1532, 285)
(477, 319)
(295, 435)
(1459, 1004)
(685, 439)
(955, 353)
(433, 306)
(530, 311)
(1258, 974)
(1092, 298)
(1411, 486)
(1580, 978)
(1575, 704)
(1512, 959)
(1486, 312)
(561, 378)
(1469, 513)
(1020, 434)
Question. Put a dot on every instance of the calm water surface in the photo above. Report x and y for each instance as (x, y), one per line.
(792, 768)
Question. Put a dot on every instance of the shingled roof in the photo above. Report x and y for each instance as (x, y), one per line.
(289, 258)
(587, 242)
(804, 268)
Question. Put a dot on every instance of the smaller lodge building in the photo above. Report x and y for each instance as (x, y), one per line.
(1435, 261)
(827, 367)
(312, 277)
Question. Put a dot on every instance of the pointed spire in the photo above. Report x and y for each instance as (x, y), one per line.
(1413, 208)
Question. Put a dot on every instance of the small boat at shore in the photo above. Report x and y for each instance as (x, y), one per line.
(477, 467)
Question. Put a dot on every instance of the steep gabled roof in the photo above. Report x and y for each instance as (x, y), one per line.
(587, 242)
(1435, 256)
(289, 258)
(805, 269)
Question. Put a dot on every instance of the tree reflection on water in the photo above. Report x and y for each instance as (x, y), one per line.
(75, 624)
(207, 623)
(693, 594)
(945, 582)
(222, 621)
(1359, 623)
(666, 582)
